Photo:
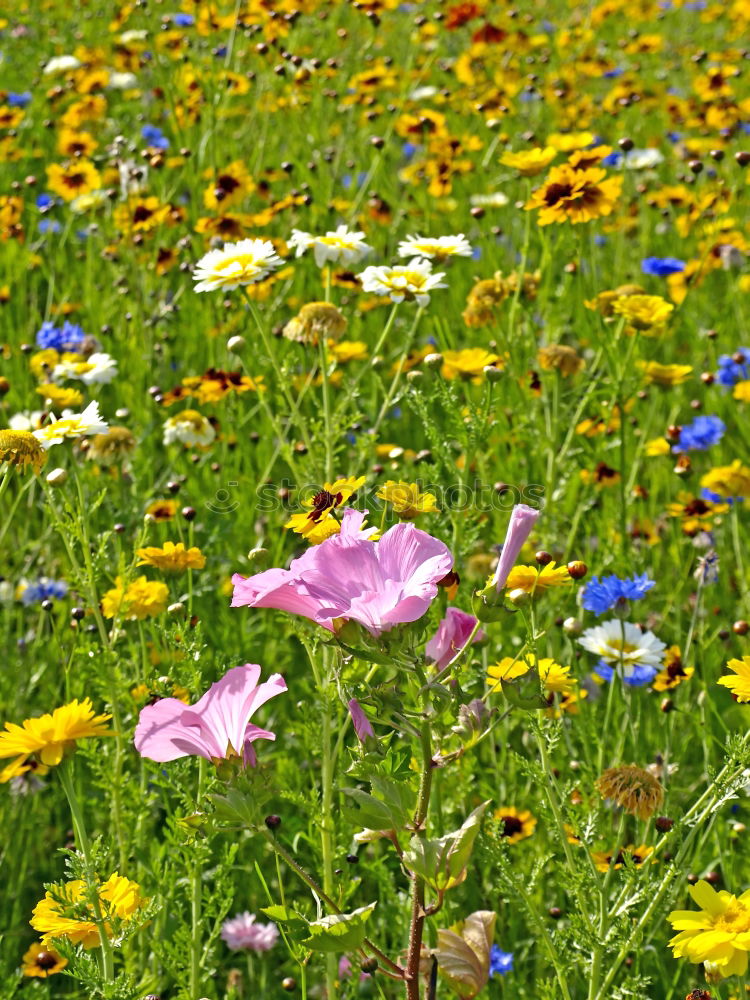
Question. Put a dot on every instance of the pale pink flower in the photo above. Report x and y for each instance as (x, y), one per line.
(350, 577)
(217, 727)
(520, 526)
(241, 933)
(452, 635)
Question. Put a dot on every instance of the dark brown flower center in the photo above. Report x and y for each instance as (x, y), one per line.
(45, 960)
(227, 183)
(511, 826)
(556, 192)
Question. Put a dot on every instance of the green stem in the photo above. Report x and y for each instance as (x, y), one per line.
(417, 910)
(66, 780)
(323, 350)
(399, 369)
(196, 890)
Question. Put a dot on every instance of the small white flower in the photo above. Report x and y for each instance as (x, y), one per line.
(188, 427)
(27, 420)
(122, 81)
(438, 247)
(494, 199)
(98, 368)
(132, 35)
(413, 281)
(133, 177)
(242, 263)
(337, 247)
(615, 641)
(71, 425)
(61, 64)
(643, 159)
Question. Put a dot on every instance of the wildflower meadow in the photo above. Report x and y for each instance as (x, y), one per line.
(374, 499)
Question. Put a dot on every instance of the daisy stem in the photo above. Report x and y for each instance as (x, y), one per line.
(399, 369)
(196, 886)
(323, 350)
(352, 388)
(418, 911)
(79, 829)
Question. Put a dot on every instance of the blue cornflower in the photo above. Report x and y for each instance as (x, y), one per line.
(703, 433)
(184, 20)
(731, 370)
(44, 201)
(601, 596)
(636, 676)
(20, 100)
(152, 135)
(44, 590)
(66, 338)
(712, 497)
(612, 160)
(49, 226)
(501, 962)
(662, 267)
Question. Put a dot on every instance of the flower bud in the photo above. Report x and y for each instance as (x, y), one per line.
(236, 344)
(572, 627)
(518, 597)
(58, 477)
(433, 361)
(577, 569)
(493, 373)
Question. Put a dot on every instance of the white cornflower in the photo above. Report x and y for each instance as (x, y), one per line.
(615, 641)
(494, 199)
(412, 282)
(643, 159)
(438, 248)
(71, 425)
(61, 64)
(242, 263)
(338, 247)
(121, 81)
(188, 427)
(98, 368)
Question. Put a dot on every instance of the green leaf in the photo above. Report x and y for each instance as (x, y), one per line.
(340, 932)
(389, 809)
(525, 691)
(442, 862)
(283, 915)
(463, 954)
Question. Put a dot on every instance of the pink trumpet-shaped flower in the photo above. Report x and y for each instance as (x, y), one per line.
(361, 723)
(378, 584)
(520, 526)
(452, 635)
(215, 727)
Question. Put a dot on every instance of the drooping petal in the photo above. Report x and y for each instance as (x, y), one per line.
(520, 526)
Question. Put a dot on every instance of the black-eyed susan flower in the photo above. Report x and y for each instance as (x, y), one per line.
(50, 736)
(739, 684)
(73, 179)
(66, 912)
(718, 934)
(319, 523)
(407, 500)
(143, 598)
(514, 824)
(636, 791)
(228, 186)
(41, 961)
(21, 448)
(673, 672)
(604, 860)
(728, 481)
(161, 510)
(576, 196)
(172, 556)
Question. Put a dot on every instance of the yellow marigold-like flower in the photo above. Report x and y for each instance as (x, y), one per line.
(673, 672)
(348, 350)
(143, 598)
(172, 557)
(648, 313)
(637, 855)
(112, 446)
(567, 142)
(21, 448)
(559, 357)
(741, 392)
(536, 580)
(555, 678)
(65, 911)
(469, 364)
(515, 824)
(406, 499)
(530, 162)
(73, 179)
(41, 961)
(49, 736)
(604, 302)
(484, 299)
(316, 319)
(636, 791)
(318, 523)
(58, 397)
(664, 375)
(739, 685)
(717, 934)
(657, 447)
(728, 480)
(575, 196)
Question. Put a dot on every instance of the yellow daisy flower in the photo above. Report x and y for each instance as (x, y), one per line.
(739, 685)
(535, 580)
(171, 556)
(49, 736)
(66, 913)
(406, 499)
(717, 934)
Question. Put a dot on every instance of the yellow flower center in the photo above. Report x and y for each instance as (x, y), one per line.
(734, 920)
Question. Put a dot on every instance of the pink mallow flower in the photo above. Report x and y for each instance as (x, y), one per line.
(241, 933)
(451, 637)
(217, 727)
(520, 526)
(350, 577)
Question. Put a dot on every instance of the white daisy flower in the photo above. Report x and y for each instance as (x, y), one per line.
(643, 159)
(190, 428)
(71, 425)
(615, 641)
(438, 247)
(494, 199)
(98, 368)
(242, 263)
(338, 247)
(122, 81)
(27, 420)
(412, 282)
(61, 64)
